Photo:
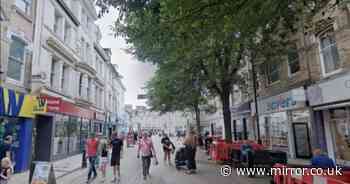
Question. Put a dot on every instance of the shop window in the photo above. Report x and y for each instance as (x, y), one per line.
(272, 73)
(340, 119)
(25, 6)
(16, 62)
(329, 54)
(293, 60)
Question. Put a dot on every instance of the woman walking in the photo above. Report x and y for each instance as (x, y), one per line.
(145, 146)
(190, 143)
(168, 148)
(104, 158)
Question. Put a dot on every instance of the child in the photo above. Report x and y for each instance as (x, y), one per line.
(5, 171)
(104, 160)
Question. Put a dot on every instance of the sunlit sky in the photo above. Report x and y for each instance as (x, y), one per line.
(134, 73)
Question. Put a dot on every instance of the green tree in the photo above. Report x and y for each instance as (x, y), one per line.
(214, 36)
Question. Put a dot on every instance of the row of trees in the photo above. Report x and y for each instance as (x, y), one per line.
(199, 46)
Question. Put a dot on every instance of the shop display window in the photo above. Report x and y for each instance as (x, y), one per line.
(340, 123)
(10, 127)
(67, 133)
(274, 131)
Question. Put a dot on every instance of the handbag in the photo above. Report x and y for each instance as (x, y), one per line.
(155, 161)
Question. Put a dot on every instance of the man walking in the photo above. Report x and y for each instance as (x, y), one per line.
(117, 148)
(91, 152)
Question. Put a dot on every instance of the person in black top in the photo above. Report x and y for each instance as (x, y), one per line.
(117, 148)
(168, 148)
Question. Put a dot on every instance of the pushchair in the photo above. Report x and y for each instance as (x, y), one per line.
(180, 158)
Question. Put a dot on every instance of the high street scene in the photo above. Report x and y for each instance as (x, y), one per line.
(175, 91)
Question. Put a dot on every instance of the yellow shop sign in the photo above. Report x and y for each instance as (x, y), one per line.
(16, 104)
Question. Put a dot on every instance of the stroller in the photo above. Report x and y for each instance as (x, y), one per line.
(180, 158)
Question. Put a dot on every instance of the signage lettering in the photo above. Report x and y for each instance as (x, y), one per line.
(9, 104)
(281, 103)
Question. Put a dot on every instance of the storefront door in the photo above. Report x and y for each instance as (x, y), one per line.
(302, 140)
(340, 127)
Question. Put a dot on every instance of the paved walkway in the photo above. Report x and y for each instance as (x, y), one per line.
(208, 172)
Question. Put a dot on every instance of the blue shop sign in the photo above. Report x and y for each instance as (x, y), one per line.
(289, 100)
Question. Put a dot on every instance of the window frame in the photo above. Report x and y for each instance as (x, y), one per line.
(268, 73)
(290, 62)
(23, 62)
(53, 71)
(323, 67)
(28, 6)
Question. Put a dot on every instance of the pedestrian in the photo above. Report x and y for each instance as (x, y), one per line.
(117, 149)
(6, 148)
(91, 153)
(147, 150)
(321, 160)
(104, 158)
(5, 170)
(168, 148)
(190, 143)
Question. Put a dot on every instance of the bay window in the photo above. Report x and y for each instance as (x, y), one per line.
(329, 54)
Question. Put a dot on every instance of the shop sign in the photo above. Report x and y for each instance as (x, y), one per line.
(16, 104)
(292, 99)
(41, 173)
(55, 104)
(330, 91)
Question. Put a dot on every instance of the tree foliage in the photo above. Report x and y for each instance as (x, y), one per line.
(208, 39)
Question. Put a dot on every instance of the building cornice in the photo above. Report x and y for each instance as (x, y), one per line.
(55, 44)
(86, 67)
(101, 52)
(67, 10)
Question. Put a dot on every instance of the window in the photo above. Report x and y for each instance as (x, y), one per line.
(80, 84)
(64, 78)
(54, 69)
(82, 49)
(89, 88)
(25, 6)
(67, 33)
(16, 62)
(329, 54)
(340, 128)
(58, 23)
(272, 72)
(293, 60)
(87, 53)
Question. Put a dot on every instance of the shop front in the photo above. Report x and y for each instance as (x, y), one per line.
(99, 123)
(71, 126)
(330, 101)
(16, 122)
(242, 122)
(284, 122)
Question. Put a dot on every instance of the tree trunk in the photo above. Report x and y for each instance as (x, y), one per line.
(198, 118)
(225, 100)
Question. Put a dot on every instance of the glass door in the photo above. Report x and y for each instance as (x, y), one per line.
(302, 140)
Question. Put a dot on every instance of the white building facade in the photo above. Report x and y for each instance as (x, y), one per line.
(74, 74)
